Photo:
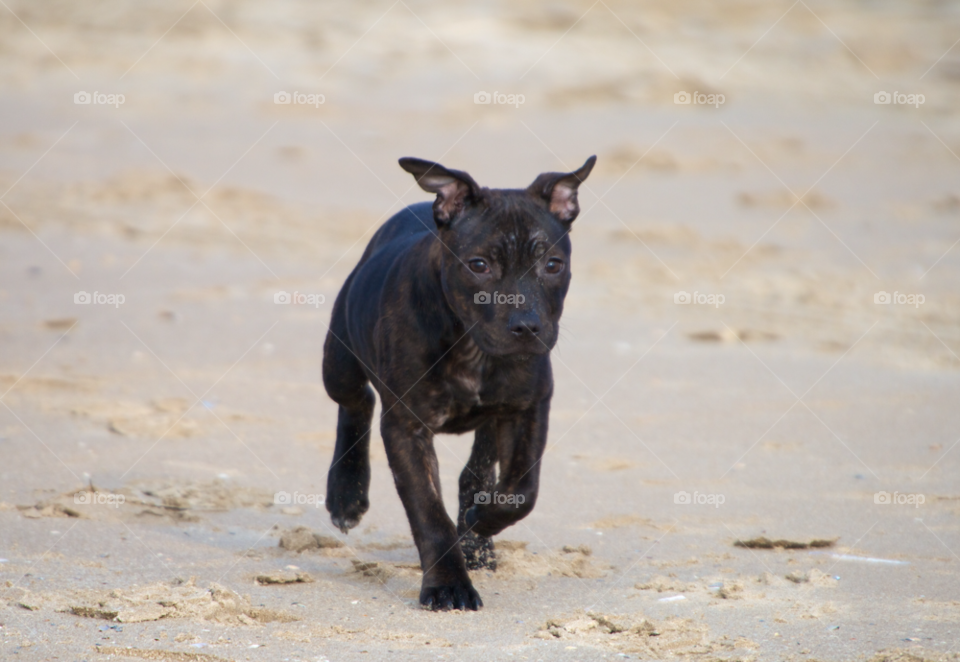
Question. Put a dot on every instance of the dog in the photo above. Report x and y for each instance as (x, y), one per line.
(450, 316)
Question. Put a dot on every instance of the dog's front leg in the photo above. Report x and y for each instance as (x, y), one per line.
(520, 444)
(476, 483)
(413, 461)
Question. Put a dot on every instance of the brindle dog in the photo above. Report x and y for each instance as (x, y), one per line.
(451, 315)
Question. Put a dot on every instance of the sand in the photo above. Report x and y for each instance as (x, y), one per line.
(767, 477)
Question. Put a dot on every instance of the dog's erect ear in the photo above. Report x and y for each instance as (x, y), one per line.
(453, 187)
(559, 189)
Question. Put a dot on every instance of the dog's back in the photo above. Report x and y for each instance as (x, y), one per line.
(406, 226)
(356, 310)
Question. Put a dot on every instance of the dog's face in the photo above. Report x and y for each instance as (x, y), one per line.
(506, 254)
(507, 273)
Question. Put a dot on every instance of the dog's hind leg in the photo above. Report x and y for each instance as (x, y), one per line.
(479, 475)
(348, 481)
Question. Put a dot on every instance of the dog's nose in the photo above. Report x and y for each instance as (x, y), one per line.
(525, 327)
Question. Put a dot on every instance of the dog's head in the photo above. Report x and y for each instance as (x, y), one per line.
(505, 266)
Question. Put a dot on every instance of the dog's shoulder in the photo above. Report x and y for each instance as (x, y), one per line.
(410, 223)
(390, 242)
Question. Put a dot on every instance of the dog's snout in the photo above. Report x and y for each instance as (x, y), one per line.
(525, 327)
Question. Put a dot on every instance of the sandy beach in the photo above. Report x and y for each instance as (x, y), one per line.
(754, 442)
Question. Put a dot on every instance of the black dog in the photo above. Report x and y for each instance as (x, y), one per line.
(451, 315)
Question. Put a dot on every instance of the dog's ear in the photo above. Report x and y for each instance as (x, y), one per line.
(454, 188)
(559, 190)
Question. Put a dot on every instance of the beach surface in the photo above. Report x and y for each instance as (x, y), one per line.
(768, 472)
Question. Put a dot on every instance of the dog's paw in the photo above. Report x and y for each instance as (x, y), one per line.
(478, 552)
(344, 523)
(346, 513)
(444, 598)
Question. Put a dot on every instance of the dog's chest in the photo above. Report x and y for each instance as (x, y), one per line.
(470, 386)
(464, 373)
(458, 394)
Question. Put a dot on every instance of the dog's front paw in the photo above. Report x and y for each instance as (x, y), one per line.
(478, 552)
(444, 598)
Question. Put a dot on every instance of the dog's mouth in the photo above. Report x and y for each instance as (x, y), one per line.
(507, 345)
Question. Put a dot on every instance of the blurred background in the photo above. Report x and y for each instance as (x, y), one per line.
(685, 196)
(796, 160)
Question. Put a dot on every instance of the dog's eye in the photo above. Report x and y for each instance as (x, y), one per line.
(554, 266)
(479, 266)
